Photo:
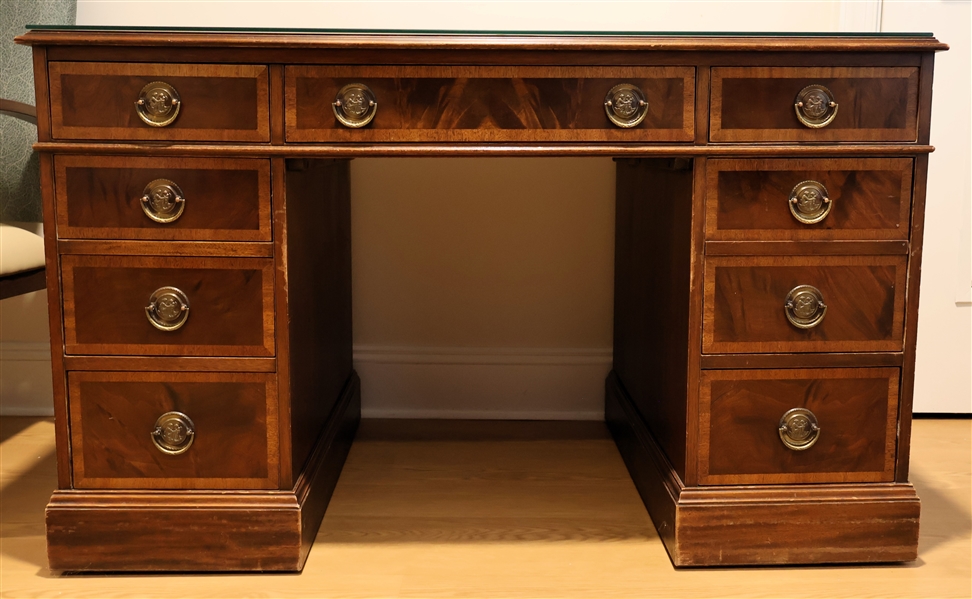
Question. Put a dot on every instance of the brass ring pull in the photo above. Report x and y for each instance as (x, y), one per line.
(355, 105)
(174, 433)
(805, 307)
(158, 104)
(163, 201)
(625, 105)
(815, 106)
(809, 202)
(798, 429)
(168, 309)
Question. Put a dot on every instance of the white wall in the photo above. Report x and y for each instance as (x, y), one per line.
(535, 368)
(942, 371)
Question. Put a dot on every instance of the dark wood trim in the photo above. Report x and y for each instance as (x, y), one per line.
(277, 106)
(806, 248)
(925, 98)
(694, 329)
(165, 248)
(215, 531)
(170, 364)
(55, 319)
(350, 150)
(316, 483)
(703, 79)
(499, 56)
(19, 283)
(42, 94)
(911, 318)
(278, 203)
(828, 360)
(652, 473)
(398, 40)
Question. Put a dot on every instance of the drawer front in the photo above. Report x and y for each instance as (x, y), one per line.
(745, 304)
(758, 104)
(741, 413)
(129, 197)
(106, 301)
(483, 104)
(844, 198)
(115, 442)
(91, 100)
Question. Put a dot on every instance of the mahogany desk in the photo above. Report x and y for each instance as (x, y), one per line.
(770, 197)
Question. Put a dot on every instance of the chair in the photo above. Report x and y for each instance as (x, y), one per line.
(21, 252)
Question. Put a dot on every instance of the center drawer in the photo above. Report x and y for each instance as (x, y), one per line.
(133, 305)
(173, 430)
(489, 104)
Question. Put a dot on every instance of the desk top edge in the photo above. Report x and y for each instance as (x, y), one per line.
(404, 40)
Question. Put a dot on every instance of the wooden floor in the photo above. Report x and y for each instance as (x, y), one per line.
(459, 509)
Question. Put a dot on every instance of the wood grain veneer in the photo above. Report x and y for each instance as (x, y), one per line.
(98, 197)
(755, 104)
(857, 410)
(219, 102)
(743, 308)
(489, 104)
(230, 314)
(652, 244)
(113, 414)
(747, 200)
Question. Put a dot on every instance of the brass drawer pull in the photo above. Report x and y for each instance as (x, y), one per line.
(174, 433)
(805, 307)
(355, 105)
(158, 104)
(168, 309)
(626, 105)
(815, 106)
(809, 202)
(163, 201)
(798, 429)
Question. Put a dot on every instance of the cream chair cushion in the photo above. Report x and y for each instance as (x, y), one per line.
(20, 250)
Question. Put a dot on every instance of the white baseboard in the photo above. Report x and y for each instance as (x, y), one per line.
(482, 383)
(26, 388)
(402, 382)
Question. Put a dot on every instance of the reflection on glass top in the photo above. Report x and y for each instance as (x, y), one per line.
(276, 30)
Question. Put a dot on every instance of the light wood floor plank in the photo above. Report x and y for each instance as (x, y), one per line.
(471, 510)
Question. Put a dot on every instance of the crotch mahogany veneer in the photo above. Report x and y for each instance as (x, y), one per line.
(770, 200)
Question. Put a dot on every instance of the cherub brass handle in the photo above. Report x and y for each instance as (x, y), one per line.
(625, 105)
(810, 202)
(168, 309)
(815, 106)
(162, 201)
(805, 307)
(174, 433)
(798, 429)
(158, 104)
(355, 105)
